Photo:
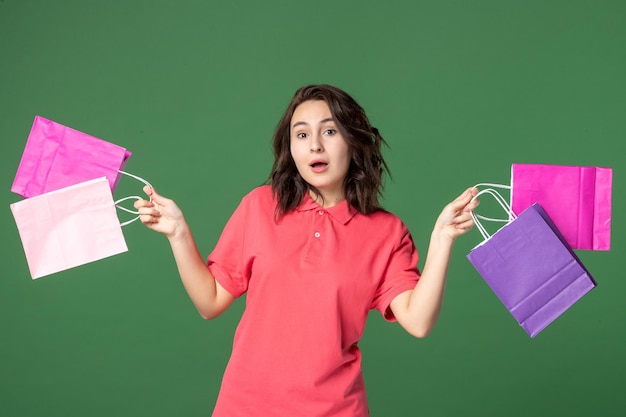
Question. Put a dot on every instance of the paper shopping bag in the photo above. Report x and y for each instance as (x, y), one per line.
(577, 199)
(532, 270)
(69, 227)
(57, 156)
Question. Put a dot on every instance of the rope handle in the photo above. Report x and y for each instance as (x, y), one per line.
(499, 199)
(132, 197)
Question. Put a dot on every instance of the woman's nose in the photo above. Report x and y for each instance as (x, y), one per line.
(316, 144)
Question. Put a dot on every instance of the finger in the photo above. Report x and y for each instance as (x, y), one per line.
(475, 202)
(146, 219)
(142, 203)
(148, 211)
(463, 200)
(149, 219)
(461, 218)
(158, 198)
(469, 194)
(465, 225)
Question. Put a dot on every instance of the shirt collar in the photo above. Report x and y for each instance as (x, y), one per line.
(341, 212)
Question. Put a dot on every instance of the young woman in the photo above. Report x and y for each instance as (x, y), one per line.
(314, 252)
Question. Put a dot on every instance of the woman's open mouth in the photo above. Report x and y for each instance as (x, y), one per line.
(319, 166)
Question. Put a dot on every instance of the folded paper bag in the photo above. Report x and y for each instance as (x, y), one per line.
(531, 269)
(577, 199)
(69, 227)
(57, 156)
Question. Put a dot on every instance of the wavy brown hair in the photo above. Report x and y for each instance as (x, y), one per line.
(364, 181)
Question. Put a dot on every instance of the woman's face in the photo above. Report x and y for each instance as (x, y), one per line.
(319, 150)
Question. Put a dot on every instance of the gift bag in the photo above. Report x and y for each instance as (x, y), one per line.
(69, 227)
(577, 199)
(530, 267)
(57, 156)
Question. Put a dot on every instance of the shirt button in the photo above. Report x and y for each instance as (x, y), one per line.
(317, 234)
(321, 212)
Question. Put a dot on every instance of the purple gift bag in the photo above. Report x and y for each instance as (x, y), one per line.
(530, 267)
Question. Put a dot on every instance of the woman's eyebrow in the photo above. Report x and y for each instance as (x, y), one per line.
(299, 124)
(328, 119)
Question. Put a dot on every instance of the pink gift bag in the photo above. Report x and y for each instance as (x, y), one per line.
(576, 198)
(57, 156)
(68, 227)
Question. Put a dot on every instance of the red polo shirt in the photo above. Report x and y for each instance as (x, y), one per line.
(311, 279)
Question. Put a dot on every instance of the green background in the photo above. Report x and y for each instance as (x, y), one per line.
(459, 89)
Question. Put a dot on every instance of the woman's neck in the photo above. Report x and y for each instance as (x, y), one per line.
(326, 200)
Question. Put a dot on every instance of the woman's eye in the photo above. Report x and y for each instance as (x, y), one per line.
(301, 135)
(330, 132)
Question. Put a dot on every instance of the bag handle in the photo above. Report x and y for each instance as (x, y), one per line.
(499, 199)
(132, 197)
(490, 185)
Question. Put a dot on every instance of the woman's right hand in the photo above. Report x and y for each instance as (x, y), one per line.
(161, 214)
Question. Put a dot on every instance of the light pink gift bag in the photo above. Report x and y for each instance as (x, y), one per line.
(68, 227)
(576, 198)
(57, 156)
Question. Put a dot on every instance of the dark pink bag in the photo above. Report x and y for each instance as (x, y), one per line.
(58, 156)
(577, 199)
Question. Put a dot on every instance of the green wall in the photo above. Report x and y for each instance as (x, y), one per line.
(460, 90)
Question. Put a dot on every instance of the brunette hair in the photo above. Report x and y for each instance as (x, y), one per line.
(364, 181)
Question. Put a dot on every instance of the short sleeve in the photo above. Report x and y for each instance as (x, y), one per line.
(227, 262)
(401, 273)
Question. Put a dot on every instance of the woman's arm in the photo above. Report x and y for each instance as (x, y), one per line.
(164, 216)
(417, 310)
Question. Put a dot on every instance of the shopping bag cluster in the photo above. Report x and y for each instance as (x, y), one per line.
(530, 263)
(68, 216)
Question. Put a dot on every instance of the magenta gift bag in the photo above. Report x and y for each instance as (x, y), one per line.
(57, 156)
(68, 227)
(530, 267)
(577, 199)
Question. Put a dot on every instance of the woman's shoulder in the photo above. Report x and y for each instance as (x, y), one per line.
(384, 215)
(385, 220)
(262, 194)
(262, 191)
